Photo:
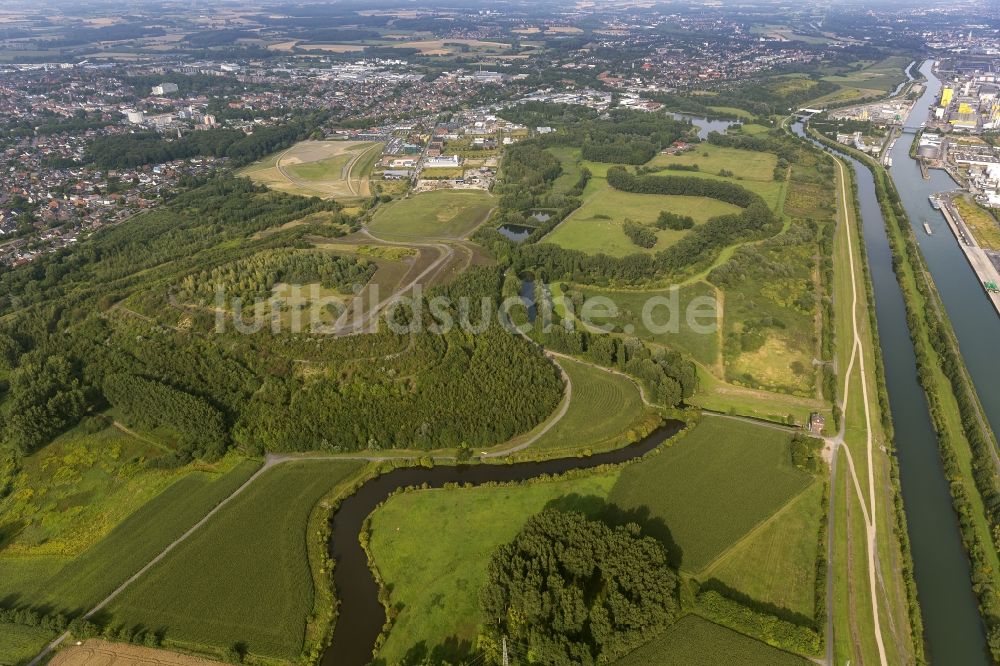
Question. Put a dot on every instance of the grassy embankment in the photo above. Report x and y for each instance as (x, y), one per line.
(966, 442)
(898, 603)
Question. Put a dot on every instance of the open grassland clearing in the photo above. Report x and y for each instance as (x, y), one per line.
(694, 641)
(432, 215)
(666, 315)
(244, 577)
(571, 163)
(596, 226)
(338, 169)
(19, 644)
(435, 582)
(72, 492)
(776, 563)
(719, 396)
(680, 491)
(771, 331)
(604, 409)
(709, 158)
(89, 577)
(983, 225)
(869, 78)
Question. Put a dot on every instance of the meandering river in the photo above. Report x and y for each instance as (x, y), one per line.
(361, 615)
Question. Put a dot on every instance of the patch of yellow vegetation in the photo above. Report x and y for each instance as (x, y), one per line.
(775, 364)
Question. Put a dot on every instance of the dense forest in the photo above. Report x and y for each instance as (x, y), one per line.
(96, 328)
(569, 590)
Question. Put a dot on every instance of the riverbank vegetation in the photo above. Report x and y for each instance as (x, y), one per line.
(671, 495)
(966, 443)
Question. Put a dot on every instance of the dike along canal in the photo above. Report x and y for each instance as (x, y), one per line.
(361, 616)
(953, 630)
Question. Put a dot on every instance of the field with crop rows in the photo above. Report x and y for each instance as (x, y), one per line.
(19, 644)
(91, 576)
(692, 641)
(603, 409)
(244, 577)
(712, 487)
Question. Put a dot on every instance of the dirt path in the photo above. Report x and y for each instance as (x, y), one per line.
(858, 357)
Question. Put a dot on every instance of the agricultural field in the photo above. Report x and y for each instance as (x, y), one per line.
(673, 496)
(603, 409)
(450, 46)
(776, 563)
(337, 169)
(96, 652)
(694, 641)
(596, 226)
(245, 576)
(69, 585)
(432, 215)
(678, 491)
(19, 644)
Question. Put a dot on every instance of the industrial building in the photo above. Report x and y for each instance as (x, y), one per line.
(930, 146)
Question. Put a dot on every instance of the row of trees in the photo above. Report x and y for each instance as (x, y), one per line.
(668, 220)
(639, 234)
(620, 179)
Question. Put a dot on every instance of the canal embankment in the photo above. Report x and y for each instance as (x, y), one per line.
(952, 547)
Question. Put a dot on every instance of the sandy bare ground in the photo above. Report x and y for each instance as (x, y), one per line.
(96, 652)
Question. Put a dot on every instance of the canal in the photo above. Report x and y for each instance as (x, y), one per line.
(952, 627)
(975, 321)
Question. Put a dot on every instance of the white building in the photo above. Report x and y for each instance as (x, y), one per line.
(165, 89)
(136, 117)
(449, 161)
